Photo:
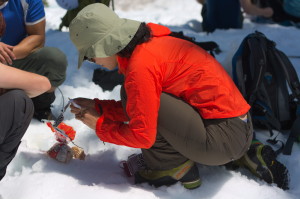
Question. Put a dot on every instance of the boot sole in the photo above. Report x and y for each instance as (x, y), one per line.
(192, 185)
(168, 181)
(190, 180)
(269, 169)
(273, 171)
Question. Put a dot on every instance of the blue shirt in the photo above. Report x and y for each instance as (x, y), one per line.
(17, 14)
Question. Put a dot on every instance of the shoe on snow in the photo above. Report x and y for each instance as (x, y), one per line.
(186, 173)
(261, 161)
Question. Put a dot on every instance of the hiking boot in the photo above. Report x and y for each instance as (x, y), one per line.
(134, 163)
(44, 114)
(42, 106)
(2, 173)
(261, 161)
(187, 174)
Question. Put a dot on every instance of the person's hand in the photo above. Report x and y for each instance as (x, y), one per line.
(83, 103)
(268, 12)
(89, 117)
(86, 113)
(6, 53)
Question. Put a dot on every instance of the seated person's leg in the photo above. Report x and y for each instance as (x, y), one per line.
(49, 62)
(15, 116)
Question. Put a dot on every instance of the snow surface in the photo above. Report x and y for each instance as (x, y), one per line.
(33, 175)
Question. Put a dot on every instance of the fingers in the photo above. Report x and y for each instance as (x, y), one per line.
(89, 120)
(5, 59)
(84, 102)
(76, 110)
(6, 54)
(79, 117)
(79, 113)
(82, 117)
(74, 106)
(86, 114)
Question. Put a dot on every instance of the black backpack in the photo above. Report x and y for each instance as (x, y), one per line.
(269, 83)
(210, 46)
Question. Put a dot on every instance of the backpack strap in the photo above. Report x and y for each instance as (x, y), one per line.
(293, 81)
(210, 46)
(256, 43)
(291, 75)
(237, 69)
(294, 134)
(247, 52)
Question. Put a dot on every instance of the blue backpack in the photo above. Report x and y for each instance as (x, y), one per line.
(269, 83)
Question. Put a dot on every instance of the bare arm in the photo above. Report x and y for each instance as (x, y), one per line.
(34, 40)
(252, 9)
(33, 84)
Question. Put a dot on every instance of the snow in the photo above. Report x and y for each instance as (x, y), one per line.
(33, 175)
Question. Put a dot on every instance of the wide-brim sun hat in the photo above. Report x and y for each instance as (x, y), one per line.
(97, 31)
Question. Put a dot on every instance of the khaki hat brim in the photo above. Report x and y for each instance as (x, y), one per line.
(97, 31)
(81, 57)
(116, 40)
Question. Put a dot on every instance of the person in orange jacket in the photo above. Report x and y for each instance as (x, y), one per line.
(177, 104)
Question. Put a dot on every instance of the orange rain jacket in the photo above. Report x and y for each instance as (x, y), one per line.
(171, 65)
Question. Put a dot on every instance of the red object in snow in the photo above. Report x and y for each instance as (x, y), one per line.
(63, 132)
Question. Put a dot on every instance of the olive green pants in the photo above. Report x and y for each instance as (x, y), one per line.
(47, 61)
(182, 134)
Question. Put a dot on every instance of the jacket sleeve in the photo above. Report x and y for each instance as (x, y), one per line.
(143, 91)
(112, 109)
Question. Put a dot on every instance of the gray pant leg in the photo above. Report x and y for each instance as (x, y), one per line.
(15, 116)
(47, 61)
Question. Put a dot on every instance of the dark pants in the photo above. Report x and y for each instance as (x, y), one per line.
(221, 14)
(182, 135)
(15, 116)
